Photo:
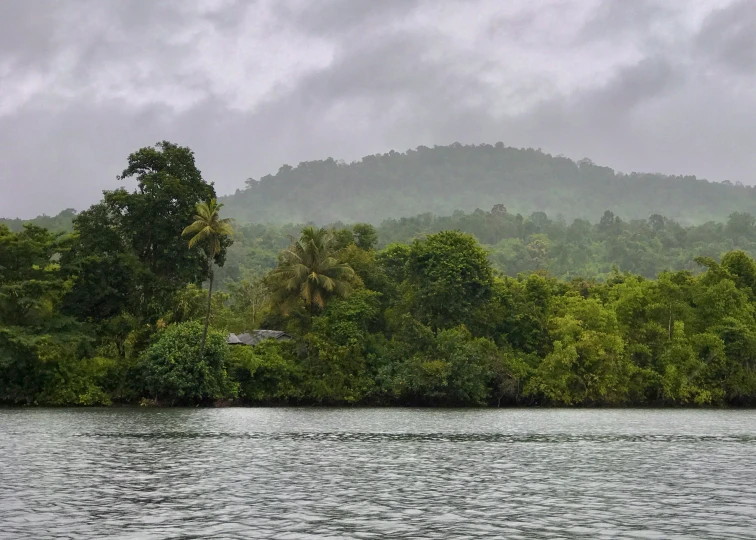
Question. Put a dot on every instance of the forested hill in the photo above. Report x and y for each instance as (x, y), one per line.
(447, 178)
(63, 222)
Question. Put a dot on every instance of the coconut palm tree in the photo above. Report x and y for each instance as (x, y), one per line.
(309, 271)
(207, 231)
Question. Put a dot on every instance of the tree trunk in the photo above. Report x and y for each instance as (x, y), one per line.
(209, 306)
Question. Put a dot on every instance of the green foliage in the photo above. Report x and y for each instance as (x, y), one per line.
(267, 373)
(515, 244)
(308, 272)
(365, 236)
(31, 285)
(393, 259)
(249, 300)
(413, 312)
(443, 179)
(344, 348)
(211, 233)
(451, 368)
(127, 251)
(588, 363)
(79, 382)
(174, 372)
(449, 276)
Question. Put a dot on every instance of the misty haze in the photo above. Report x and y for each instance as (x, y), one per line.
(377, 269)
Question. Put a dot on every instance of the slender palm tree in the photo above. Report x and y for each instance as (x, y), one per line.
(309, 271)
(207, 231)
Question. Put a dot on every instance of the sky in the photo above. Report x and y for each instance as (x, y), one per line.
(654, 86)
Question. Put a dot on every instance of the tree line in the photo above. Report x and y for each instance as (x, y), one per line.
(123, 310)
(526, 244)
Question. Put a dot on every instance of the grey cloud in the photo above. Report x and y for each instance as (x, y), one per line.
(613, 20)
(24, 32)
(389, 84)
(729, 37)
(634, 86)
(346, 17)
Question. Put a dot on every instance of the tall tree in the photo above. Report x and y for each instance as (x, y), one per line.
(309, 271)
(208, 232)
(128, 252)
(449, 278)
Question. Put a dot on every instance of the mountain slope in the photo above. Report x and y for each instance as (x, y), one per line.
(63, 222)
(457, 177)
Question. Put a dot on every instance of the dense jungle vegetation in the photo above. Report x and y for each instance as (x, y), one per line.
(414, 312)
(517, 244)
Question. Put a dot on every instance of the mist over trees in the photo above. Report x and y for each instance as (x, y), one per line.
(443, 179)
(517, 244)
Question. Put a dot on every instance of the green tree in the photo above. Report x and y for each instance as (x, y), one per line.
(450, 367)
(208, 231)
(588, 364)
(393, 259)
(309, 272)
(175, 372)
(449, 278)
(267, 372)
(248, 298)
(743, 271)
(343, 349)
(365, 236)
(127, 253)
(41, 349)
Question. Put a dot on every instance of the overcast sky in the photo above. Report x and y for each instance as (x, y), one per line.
(665, 86)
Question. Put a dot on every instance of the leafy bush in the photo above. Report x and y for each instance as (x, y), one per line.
(266, 372)
(79, 382)
(454, 368)
(174, 373)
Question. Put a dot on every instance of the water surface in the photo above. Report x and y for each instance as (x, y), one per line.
(377, 473)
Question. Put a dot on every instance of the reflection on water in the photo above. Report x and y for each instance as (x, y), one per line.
(377, 473)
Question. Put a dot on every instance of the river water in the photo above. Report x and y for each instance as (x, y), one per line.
(376, 473)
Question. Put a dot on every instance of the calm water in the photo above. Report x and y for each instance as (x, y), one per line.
(377, 473)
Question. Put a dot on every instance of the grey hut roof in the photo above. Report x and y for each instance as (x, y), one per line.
(256, 336)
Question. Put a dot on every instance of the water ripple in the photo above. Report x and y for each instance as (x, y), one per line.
(315, 474)
(347, 437)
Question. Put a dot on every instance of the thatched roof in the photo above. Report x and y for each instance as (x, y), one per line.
(256, 336)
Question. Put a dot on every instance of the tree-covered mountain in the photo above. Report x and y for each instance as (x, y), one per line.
(445, 179)
(457, 177)
(63, 222)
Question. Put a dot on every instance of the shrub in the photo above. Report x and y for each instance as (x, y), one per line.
(173, 371)
(266, 372)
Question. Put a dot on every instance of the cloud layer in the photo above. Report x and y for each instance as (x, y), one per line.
(664, 86)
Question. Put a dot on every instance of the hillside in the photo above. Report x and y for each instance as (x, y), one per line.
(63, 222)
(448, 178)
(445, 179)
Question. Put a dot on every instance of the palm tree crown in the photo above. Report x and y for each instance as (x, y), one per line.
(208, 228)
(309, 271)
